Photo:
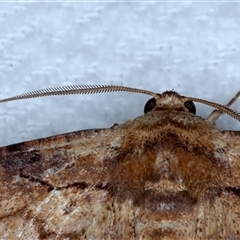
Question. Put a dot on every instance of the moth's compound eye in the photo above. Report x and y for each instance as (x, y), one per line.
(190, 106)
(149, 105)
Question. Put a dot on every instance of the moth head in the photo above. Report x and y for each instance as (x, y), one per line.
(167, 100)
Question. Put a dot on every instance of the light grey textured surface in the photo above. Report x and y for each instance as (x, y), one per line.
(192, 48)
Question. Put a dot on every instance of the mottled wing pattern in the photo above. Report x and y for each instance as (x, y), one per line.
(163, 175)
(47, 184)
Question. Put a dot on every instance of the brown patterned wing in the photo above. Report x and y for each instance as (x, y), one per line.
(48, 185)
(145, 179)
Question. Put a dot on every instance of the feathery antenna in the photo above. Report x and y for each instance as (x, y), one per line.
(93, 89)
(232, 113)
(76, 89)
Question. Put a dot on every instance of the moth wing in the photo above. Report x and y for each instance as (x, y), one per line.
(55, 186)
(58, 188)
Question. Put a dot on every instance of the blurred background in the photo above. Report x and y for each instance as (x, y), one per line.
(190, 47)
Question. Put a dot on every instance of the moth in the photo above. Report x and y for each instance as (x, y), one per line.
(168, 174)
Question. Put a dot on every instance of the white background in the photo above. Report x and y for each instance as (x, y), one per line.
(193, 48)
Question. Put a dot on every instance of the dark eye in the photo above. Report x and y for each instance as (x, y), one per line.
(190, 106)
(149, 105)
